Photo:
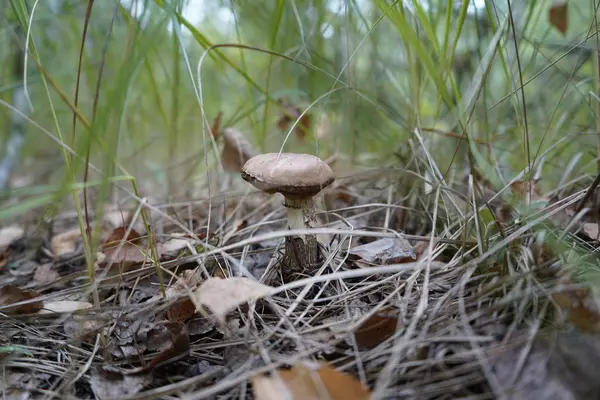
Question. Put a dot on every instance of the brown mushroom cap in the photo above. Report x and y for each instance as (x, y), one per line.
(291, 174)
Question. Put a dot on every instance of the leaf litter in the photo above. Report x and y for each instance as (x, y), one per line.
(432, 328)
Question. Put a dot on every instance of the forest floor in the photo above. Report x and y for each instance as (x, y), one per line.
(410, 300)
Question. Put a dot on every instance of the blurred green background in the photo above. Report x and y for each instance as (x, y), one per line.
(368, 72)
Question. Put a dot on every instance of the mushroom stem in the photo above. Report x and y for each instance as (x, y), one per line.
(301, 213)
(301, 252)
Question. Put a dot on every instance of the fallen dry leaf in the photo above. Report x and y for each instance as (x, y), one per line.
(376, 329)
(9, 234)
(177, 243)
(223, 295)
(130, 253)
(522, 188)
(64, 306)
(10, 294)
(214, 129)
(309, 382)
(109, 382)
(342, 193)
(579, 307)
(591, 229)
(290, 114)
(384, 251)
(558, 16)
(65, 243)
(236, 151)
(183, 309)
(422, 249)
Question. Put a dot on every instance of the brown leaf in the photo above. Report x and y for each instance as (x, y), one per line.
(130, 253)
(119, 234)
(66, 242)
(523, 187)
(376, 329)
(309, 382)
(214, 129)
(223, 295)
(342, 193)
(579, 307)
(10, 294)
(236, 151)
(558, 16)
(422, 249)
(183, 309)
(290, 114)
(303, 127)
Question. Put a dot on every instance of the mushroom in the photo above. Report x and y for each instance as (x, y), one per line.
(298, 177)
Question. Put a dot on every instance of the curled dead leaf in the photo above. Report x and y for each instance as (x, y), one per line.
(591, 229)
(130, 254)
(308, 382)
(558, 15)
(579, 307)
(184, 308)
(236, 151)
(10, 294)
(527, 189)
(64, 306)
(223, 295)
(376, 329)
(177, 243)
(65, 243)
(289, 115)
(214, 129)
